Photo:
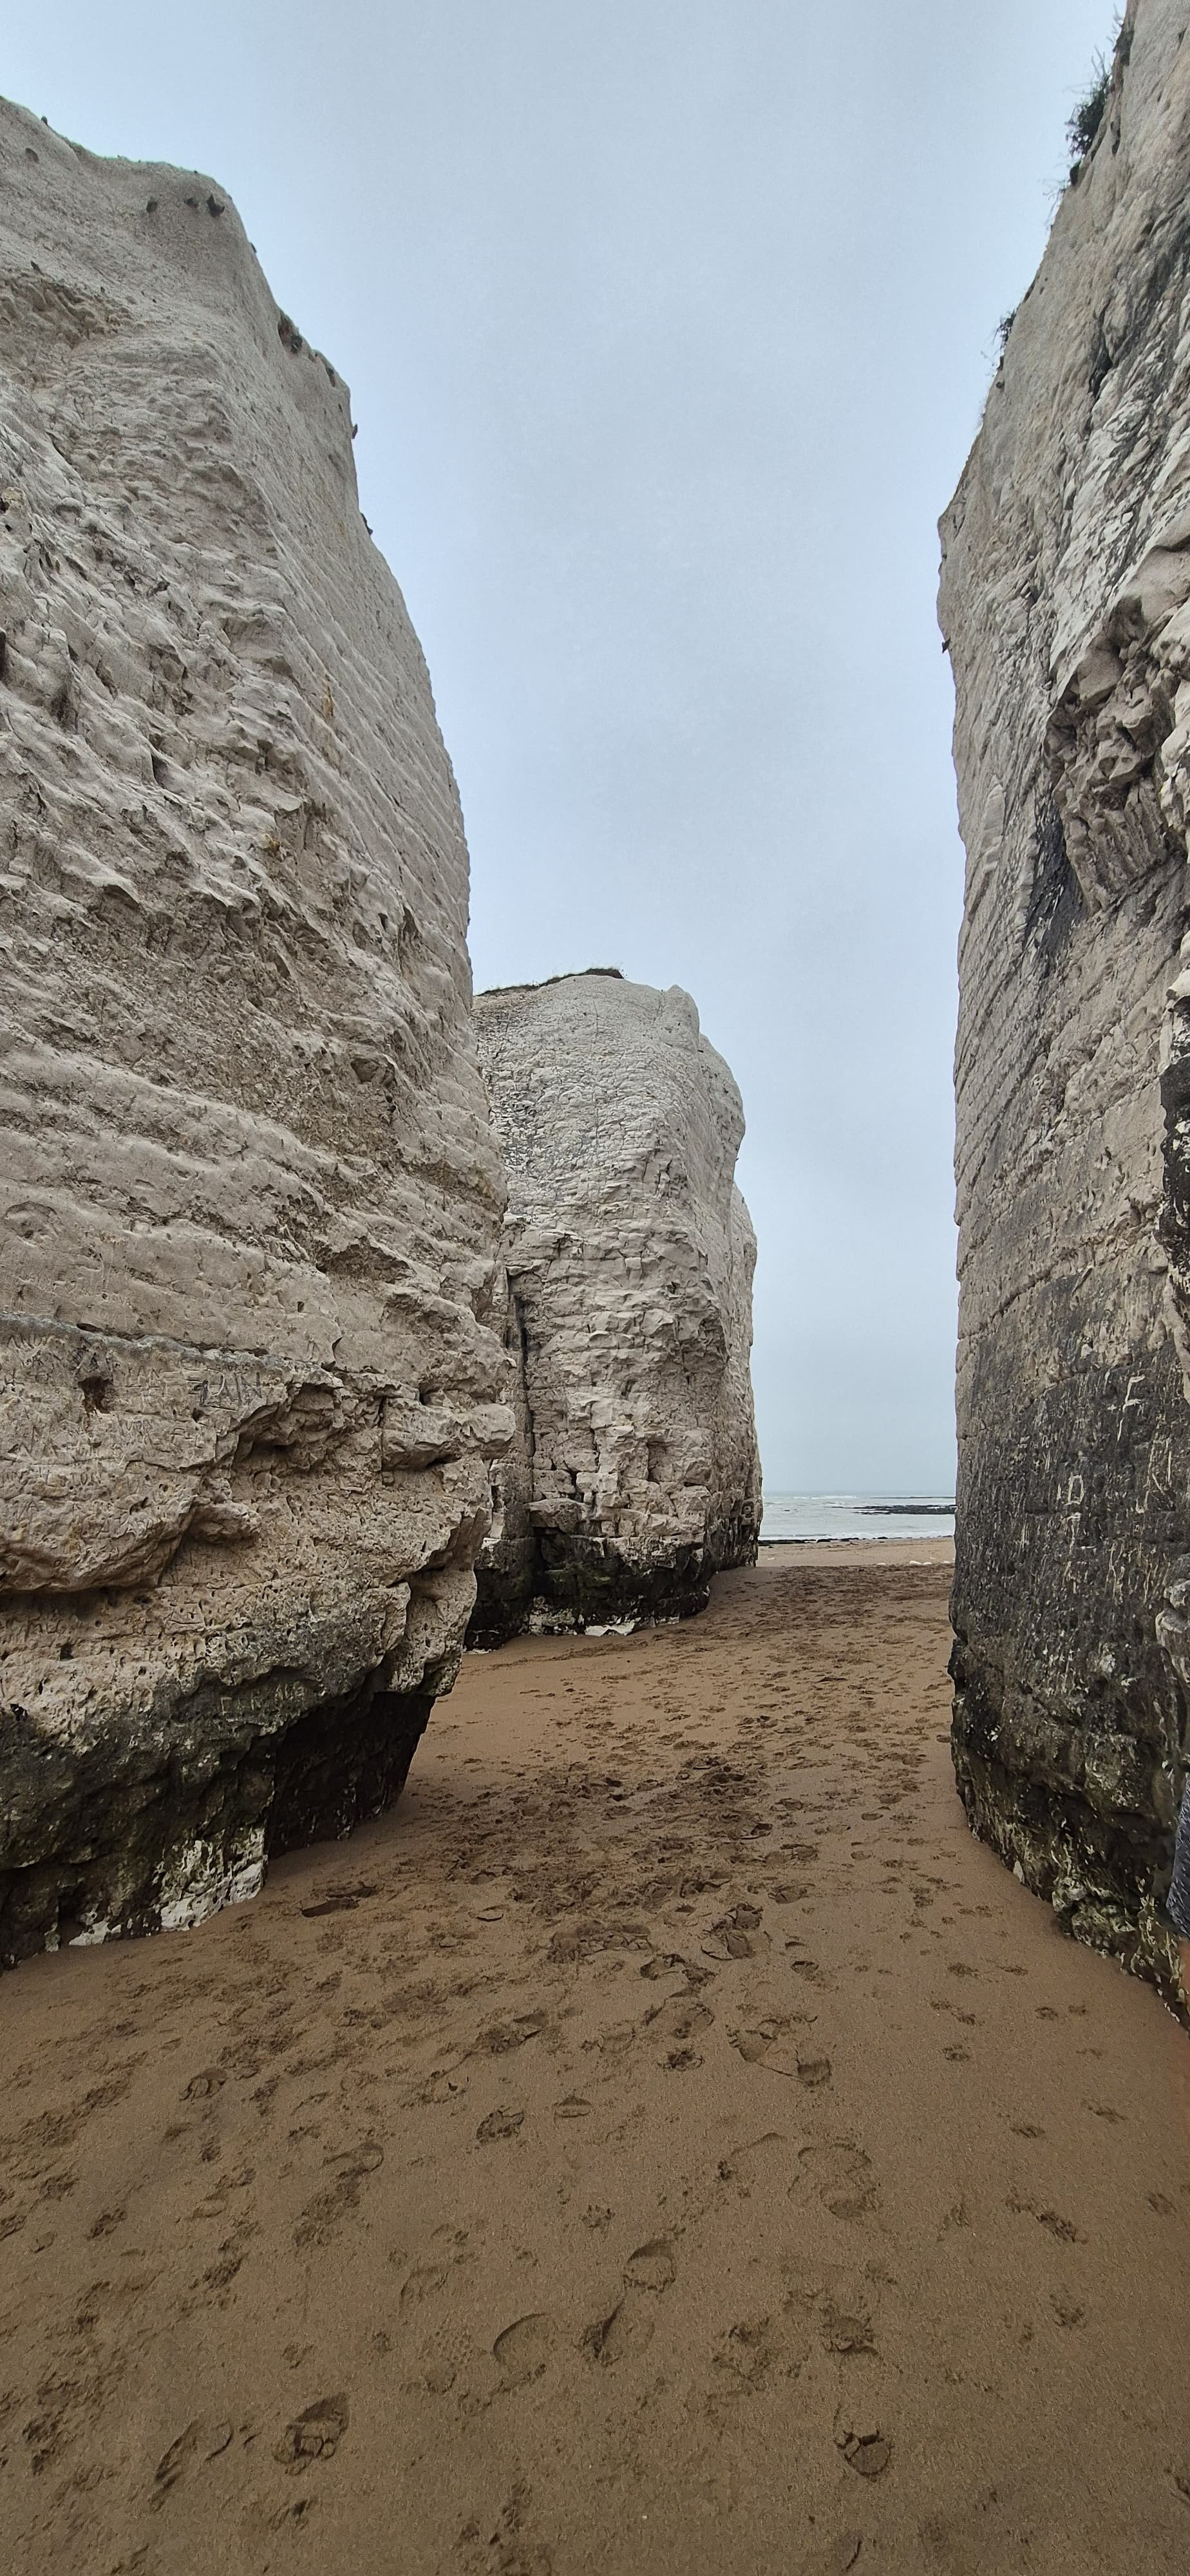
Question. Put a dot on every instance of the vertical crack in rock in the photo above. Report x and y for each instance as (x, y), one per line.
(633, 1475)
(250, 1305)
(1066, 607)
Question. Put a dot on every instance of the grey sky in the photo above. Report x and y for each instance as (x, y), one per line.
(668, 324)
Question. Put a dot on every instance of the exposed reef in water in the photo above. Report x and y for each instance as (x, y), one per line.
(1065, 605)
(633, 1475)
(251, 1351)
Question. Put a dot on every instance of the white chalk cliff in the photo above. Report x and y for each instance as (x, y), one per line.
(633, 1476)
(1066, 607)
(251, 1363)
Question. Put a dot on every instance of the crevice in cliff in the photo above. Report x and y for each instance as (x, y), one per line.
(522, 1331)
(1055, 900)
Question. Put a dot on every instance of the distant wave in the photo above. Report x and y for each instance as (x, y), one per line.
(855, 1516)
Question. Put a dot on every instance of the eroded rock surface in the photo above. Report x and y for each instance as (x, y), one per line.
(1066, 606)
(633, 1475)
(251, 1383)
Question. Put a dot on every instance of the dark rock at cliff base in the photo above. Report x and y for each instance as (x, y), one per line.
(585, 1582)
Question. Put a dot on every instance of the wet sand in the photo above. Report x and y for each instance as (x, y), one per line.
(666, 2142)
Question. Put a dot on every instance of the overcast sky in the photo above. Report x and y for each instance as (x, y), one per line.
(668, 325)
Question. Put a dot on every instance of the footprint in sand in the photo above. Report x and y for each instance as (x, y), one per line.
(839, 2175)
(1052, 2220)
(339, 1900)
(754, 2046)
(746, 2354)
(652, 2267)
(845, 2325)
(440, 2361)
(200, 2441)
(210, 2079)
(500, 2038)
(759, 2162)
(350, 2168)
(107, 2221)
(613, 2043)
(679, 2017)
(814, 2072)
(510, 2547)
(439, 2086)
(763, 2047)
(449, 2248)
(315, 2434)
(628, 2330)
(864, 2447)
(807, 1968)
(623, 2335)
(738, 1935)
(499, 2124)
(523, 2349)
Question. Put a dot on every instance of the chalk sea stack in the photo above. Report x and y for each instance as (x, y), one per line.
(1066, 607)
(252, 1349)
(633, 1476)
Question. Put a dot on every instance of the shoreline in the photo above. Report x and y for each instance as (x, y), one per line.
(893, 1551)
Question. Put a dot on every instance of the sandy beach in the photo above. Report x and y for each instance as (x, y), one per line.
(666, 2142)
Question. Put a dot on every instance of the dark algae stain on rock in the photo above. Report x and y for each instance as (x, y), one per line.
(1066, 608)
(559, 1581)
(154, 1820)
(1068, 1723)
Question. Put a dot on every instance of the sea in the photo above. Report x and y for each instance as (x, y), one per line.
(856, 1516)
